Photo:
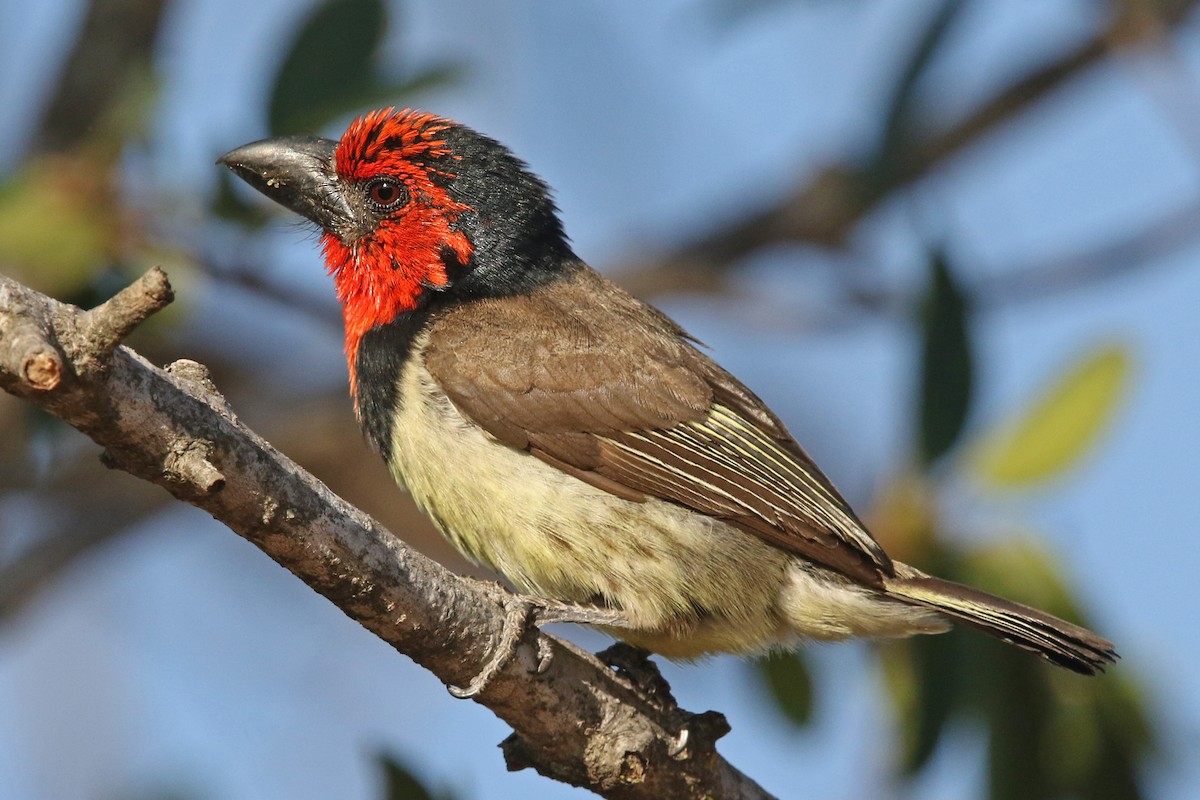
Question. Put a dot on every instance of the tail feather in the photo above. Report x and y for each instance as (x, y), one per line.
(1054, 639)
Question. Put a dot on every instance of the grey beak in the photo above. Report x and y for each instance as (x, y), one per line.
(298, 173)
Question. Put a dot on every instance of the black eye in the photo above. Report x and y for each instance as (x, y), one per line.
(386, 193)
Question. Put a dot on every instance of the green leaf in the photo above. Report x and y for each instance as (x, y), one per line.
(1017, 710)
(1127, 738)
(1056, 431)
(1020, 570)
(946, 364)
(1052, 733)
(891, 154)
(925, 679)
(790, 683)
(400, 784)
(938, 671)
(228, 204)
(58, 223)
(372, 95)
(332, 57)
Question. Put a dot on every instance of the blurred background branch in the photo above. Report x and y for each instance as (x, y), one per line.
(825, 209)
(103, 187)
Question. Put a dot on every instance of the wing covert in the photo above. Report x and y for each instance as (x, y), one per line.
(628, 404)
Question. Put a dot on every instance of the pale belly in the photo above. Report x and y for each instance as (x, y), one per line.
(687, 583)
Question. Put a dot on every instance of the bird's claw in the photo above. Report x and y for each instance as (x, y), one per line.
(680, 744)
(517, 610)
(644, 676)
(642, 673)
(521, 612)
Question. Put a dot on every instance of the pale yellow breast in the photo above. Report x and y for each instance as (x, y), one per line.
(689, 584)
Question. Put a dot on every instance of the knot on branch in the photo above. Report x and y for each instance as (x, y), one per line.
(42, 369)
(197, 374)
(632, 770)
(27, 348)
(188, 462)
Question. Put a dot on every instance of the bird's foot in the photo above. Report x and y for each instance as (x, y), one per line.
(643, 674)
(522, 612)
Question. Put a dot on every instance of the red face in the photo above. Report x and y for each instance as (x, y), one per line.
(396, 162)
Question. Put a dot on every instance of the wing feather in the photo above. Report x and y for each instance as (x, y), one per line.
(598, 384)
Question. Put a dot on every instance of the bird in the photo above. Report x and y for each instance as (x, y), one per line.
(575, 439)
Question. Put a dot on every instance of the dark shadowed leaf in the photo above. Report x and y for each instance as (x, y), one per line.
(332, 57)
(790, 684)
(925, 680)
(400, 784)
(374, 94)
(946, 366)
(938, 669)
(1125, 740)
(1017, 703)
(331, 69)
(229, 204)
(898, 125)
(1052, 733)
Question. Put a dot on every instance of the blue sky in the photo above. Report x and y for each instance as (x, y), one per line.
(182, 656)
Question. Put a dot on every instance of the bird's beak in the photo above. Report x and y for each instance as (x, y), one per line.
(297, 172)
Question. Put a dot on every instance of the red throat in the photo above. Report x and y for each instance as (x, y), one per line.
(384, 273)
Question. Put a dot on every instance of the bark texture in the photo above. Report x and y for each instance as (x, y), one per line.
(578, 721)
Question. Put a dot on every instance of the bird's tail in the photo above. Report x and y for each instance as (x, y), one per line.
(1054, 639)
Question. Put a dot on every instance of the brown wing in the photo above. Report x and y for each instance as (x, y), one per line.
(606, 388)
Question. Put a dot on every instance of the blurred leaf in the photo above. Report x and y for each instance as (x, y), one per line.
(938, 672)
(1016, 712)
(924, 676)
(58, 222)
(374, 94)
(331, 68)
(101, 285)
(105, 78)
(332, 56)
(946, 368)
(898, 127)
(229, 204)
(400, 784)
(1052, 733)
(923, 680)
(1060, 427)
(790, 683)
(902, 517)
(1125, 738)
(1020, 570)
(1017, 567)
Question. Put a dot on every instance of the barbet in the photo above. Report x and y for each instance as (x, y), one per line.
(575, 439)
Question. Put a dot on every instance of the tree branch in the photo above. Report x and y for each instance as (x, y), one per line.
(826, 208)
(578, 722)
